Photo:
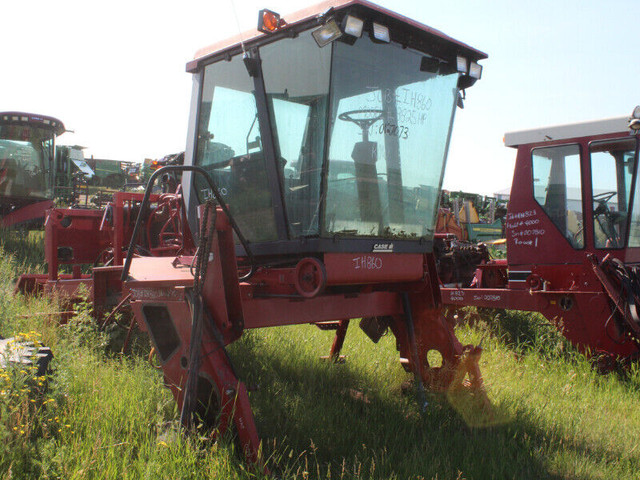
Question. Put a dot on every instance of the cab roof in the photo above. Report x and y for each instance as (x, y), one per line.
(308, 18)
(32, 119)
(567, 131)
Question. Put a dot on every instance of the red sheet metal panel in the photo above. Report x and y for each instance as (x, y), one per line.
(270, 312)
(161, 271)
(33, 211)
(359, 268)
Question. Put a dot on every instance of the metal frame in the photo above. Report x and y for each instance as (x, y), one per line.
(269, 150)
(403, 289)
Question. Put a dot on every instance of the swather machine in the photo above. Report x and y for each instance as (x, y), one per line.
(311, 180)
(573, 236)
(27, 166)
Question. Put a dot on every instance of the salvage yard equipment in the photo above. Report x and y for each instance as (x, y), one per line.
(573, 236)
(80, 237)
(311, 182)
(34, 170)
(471, 217)
(113, 173)
(27, 155)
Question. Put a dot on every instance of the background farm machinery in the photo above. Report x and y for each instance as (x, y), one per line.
(86, 181)
(471, 217)
(77, 239)
(27, 155)
(35, 171)
(572, 236)
(464, 223)
(311, 192)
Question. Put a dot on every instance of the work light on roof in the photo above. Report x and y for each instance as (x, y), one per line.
(634, 121)
(475, 70)
(327, 33)
(381, 33)
(461, 63)
(352, 26)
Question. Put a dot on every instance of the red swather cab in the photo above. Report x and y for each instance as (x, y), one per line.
(573, 235)
(313, 168)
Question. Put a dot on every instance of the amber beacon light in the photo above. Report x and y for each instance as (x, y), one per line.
(269, 21)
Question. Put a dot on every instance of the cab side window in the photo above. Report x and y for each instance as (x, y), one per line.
(230, 149)
(557, 188)
(612, 168)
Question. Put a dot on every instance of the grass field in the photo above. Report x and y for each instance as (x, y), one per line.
(105, 415)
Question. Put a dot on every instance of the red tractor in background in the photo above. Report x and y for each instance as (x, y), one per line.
(311, 182)
(573, 236)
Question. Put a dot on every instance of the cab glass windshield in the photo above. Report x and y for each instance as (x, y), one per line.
(390, 116)
(350, 138)
(25, 154)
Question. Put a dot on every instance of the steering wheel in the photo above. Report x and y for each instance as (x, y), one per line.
(364, 123)
(607, 219)
(31, 170)
(603, 199)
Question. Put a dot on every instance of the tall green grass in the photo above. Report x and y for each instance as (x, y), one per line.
(553, 416)
(108, 416)
(23, 250)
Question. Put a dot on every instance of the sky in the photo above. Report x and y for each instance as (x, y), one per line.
(114, 72)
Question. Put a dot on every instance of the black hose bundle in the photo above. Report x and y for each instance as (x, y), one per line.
(197, 319)
(628, 279)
